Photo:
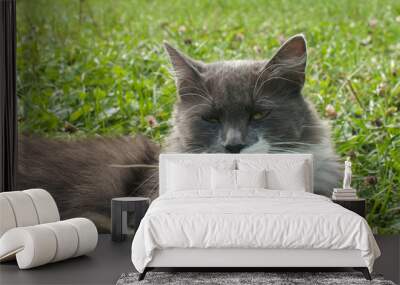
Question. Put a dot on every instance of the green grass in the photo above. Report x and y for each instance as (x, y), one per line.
(98, 67)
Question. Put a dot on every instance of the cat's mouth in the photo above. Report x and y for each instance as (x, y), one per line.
(261, 146)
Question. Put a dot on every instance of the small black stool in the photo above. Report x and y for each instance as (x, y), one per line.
(356, 205)
(126, 214)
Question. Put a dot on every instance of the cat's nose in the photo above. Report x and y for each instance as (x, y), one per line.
(234, 148)
(234, 140)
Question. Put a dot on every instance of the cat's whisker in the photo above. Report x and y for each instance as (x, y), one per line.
(314, 127)
(293, 143)
(197, 149)
(283, 151)
(268, 68)
(274, 78)
(133, 165)
(193, 84)
(289, 71)
(201, 91)
(144, 182)
(154, 188)
(183, 114)
(195, 94)
(266, 103)
(311, 126)
(258, 78)
(280, 68)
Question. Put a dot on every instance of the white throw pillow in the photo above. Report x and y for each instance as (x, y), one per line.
(194, 174)
(251, 178)
(230, 180)
(184, 178)
(223, 179)
(289, 175)
(294, 179)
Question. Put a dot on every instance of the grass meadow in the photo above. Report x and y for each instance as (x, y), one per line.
(97, 67)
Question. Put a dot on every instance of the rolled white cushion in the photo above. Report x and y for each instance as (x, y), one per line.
(7, 218)
(26, 208)
(41, 244)
(67, 240)
(87, 234)
(23, 208)
(45, 205)
(33, 246)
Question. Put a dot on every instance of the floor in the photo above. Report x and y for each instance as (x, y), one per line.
(111, 259)
(388, 264)
(103, 266)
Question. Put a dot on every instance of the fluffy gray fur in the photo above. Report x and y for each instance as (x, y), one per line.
(80, 175)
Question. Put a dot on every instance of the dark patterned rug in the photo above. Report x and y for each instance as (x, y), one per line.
(233, 278)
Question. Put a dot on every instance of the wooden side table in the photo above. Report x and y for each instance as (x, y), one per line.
(126, 214)
(355, 205)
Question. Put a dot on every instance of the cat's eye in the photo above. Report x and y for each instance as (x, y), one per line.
(212, 120)
(259, 115)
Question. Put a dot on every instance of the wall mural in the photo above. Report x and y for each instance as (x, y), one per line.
(101, 94)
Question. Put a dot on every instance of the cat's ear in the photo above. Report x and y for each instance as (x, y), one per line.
(290, 61)
(187, 71)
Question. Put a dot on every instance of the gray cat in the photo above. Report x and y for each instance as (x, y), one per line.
(222, 107)
(248, 106)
